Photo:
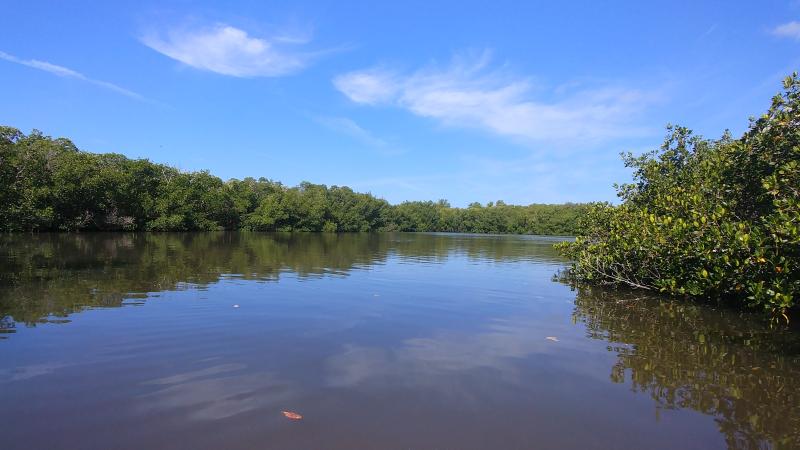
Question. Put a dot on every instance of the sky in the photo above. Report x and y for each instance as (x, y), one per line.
(525, 102)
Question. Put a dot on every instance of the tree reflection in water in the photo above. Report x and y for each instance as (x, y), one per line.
(48, 276)
(710, 359)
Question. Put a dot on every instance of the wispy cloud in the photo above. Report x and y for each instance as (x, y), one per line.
(370, 87)
(227, 50)
(469, 93)
(788, 30)
(65, 72)
(708, 32)
(350, 128)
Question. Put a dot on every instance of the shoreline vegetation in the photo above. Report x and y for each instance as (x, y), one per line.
(706, 219)
(48, 184)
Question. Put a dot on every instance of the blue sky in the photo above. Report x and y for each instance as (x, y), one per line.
(468, 101)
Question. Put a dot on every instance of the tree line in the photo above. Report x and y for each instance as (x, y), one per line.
(48, 184)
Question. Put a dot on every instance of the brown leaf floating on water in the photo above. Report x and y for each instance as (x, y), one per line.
(292, 415)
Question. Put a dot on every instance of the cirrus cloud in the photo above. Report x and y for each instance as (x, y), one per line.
(66, 72)
(227, 50)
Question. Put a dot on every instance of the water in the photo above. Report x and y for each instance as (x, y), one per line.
(200, 341)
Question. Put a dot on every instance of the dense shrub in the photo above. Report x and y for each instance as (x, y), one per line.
(706, 218)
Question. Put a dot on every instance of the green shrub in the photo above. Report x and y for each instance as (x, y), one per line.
(706, 218)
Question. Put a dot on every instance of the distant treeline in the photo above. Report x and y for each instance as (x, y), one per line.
(49, 184)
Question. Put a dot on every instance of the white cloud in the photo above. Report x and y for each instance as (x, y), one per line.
(230, 51)
(68, 73)
(368, 87)
(788, 30)
(467, 93)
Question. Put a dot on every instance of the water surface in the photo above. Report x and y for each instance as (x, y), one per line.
(199, 341)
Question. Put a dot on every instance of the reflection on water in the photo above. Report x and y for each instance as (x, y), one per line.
(711, 360)
(52, 275)
(379, 340)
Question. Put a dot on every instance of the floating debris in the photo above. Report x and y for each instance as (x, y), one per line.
(235, 306)
(292, 415)
(552, 338)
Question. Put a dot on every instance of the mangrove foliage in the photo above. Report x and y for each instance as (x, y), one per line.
(707, 218)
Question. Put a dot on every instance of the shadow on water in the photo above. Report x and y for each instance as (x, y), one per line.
(717, 361)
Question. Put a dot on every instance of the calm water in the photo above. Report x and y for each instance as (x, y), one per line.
(199, 341)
